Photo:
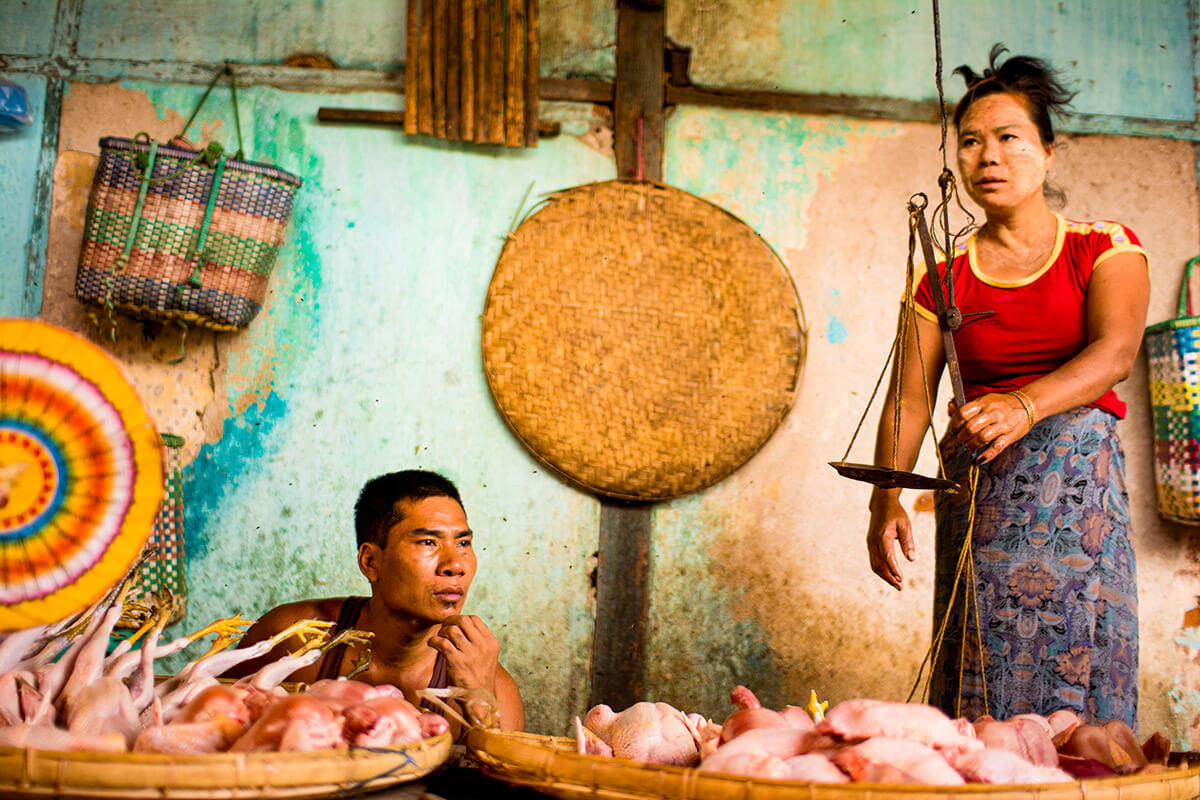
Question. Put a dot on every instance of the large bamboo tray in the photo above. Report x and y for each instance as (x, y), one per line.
(42, 774)
(549, 764)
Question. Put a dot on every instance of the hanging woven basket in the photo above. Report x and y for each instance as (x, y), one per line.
(641, 341)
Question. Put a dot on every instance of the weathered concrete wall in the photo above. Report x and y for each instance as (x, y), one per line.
(366, 357)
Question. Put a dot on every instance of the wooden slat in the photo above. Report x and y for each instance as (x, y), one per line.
(638, 105)
(514, 76)
(440, 22)
(467, 79)
(425, 69)
(495, 117)
(453, 67)
(483, 40)
(412, 33)
(531, 72)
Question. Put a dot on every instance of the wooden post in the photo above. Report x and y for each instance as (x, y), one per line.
(411, 48)
(623, 571)
(425, 70)
(638, 107)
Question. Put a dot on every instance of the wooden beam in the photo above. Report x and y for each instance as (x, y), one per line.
(368, 116)
(622, 602)
(800, 103)
(483, 39)
(578, 90)
(532, 67)
(638, 93)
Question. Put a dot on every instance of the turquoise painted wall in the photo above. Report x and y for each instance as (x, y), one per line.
(20, 156)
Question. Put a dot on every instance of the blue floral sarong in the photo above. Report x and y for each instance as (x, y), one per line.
(1055, 578)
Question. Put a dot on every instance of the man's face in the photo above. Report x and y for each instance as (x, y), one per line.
(427, 566)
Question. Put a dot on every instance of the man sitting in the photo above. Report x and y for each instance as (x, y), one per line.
(415, 549)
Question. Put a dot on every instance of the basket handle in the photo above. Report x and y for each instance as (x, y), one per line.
(237, 119)
(123, 259)
(1185, 295)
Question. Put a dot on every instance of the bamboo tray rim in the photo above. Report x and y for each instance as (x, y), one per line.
(48, 773)
(550, 764)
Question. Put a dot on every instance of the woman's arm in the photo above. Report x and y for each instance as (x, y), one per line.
(900, 446)
(1117, 297)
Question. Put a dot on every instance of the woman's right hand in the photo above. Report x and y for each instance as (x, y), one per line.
(889, 525)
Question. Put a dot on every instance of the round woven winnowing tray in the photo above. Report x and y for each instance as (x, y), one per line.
(639, 340)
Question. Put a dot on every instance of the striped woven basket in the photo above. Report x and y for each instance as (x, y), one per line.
(172, 238)
(1173, 353)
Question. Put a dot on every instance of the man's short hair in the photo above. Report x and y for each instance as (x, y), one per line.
(378, 506)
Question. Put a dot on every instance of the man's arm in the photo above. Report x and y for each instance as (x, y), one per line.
(473, 662)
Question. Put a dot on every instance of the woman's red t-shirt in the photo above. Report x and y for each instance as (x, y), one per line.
(1040, 322)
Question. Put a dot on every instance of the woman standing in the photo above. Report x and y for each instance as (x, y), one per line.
(1055, 582)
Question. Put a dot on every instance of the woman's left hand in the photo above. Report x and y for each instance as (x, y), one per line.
(988, 424)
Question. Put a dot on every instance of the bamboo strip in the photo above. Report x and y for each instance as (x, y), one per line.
(439, 67)
(425, 70)
(495, 122)
(411, 59)
(514, 78)
(467, 80)
(453, 68)
(531, 73)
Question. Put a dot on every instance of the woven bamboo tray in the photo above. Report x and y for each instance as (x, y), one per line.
(549, 764)
(640, 341)
(41, 774)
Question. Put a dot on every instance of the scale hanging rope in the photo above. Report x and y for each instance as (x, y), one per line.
(950, 319)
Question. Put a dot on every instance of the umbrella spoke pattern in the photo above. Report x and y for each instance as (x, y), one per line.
(81, 473)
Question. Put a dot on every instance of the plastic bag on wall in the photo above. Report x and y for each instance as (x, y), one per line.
(15, 113)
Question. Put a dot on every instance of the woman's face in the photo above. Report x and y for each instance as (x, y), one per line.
(1001, 158)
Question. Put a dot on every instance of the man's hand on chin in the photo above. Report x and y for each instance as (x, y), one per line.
(471, 651)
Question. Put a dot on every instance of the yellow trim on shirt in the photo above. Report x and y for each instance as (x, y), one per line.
(1059, 237)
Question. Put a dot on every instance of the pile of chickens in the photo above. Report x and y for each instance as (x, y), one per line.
(62, 689)
(870, 741)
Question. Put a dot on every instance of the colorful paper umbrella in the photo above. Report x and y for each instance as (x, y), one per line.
(80, 473)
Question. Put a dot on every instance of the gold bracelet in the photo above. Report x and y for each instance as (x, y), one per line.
(1026, 402)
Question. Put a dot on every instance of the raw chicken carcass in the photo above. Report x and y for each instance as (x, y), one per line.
(883, 759)
(864, 719)
(46, 737)
(814, 768)
(1004, 766)
(1027, 735)
(656, 733)
(387, 720)
(762, 752)
(750, 714)
(292, 723)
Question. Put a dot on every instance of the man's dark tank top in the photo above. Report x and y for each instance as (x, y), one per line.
(331, 662)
